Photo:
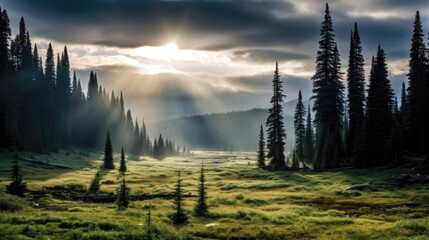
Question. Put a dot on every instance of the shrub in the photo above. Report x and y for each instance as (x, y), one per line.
(10, 203)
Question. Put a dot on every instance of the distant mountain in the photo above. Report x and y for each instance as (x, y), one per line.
(232, 131)
(289, 107)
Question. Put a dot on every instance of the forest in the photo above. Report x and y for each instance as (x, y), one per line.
(351, 163)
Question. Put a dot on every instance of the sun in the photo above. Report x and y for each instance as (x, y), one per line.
(171, 46)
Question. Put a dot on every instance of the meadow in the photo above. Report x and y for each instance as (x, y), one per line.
(244, 202)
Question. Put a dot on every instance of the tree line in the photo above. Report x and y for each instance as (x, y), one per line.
(359, 126)
(43, 108)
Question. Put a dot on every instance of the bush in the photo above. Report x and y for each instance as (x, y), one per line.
(10, 203)
(77, 187)
(239, 197)
(257, 202)
(416, 227)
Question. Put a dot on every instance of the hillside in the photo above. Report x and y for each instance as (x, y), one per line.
(233, 131)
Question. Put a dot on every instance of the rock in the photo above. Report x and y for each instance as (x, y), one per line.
(212, 224)
(31, 234)
(408, 179)
(359, 187)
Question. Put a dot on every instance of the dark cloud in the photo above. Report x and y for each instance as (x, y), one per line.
(252, 31)
(267, 55)
(195, 24)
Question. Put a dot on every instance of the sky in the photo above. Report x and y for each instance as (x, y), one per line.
(185, 57)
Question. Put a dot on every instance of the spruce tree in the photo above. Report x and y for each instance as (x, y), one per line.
(295, 164)
(261, 149)
(123, 166)
(379, 112)
(417, 96)
(328, 98)
(179, 216)
(94, 187)
(309, 138)
(356, 89)
(122, 195)
(6, 138)
(201, 208)
(299, 124)
(403, 109)
(275, 126)
(16, 187)
(108, 153)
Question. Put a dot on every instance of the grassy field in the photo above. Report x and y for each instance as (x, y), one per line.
(244, 202)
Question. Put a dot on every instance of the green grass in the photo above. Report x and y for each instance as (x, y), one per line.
(244, 202)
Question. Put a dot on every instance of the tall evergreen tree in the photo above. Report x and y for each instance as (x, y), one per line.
(356, 89)
(123, 166)
(379, 112)
(417, 98)
(6, 138)
(201, 208)
(403, 109)
(275, 126)
(328, 98)
(309, 138)
(299, 124)
(179, 216)
(16, 187)
(261, 149)
(108, 153)
(122, 195)
(48, 98)
(94, 187)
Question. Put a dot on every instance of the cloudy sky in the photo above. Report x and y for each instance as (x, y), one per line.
(183, 57)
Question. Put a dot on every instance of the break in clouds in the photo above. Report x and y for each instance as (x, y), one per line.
(224, 51)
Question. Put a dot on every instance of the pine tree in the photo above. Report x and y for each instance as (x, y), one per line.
(300, 129)
(122, 195)
(379, 112)
(123, 166)
(48, 95)
(275, 126)
(328, 98)
(6, 138)
(309, 138)
(149, 217)
(356, 89)
(295, 164)
(179, 216)
(108, 153)
(417, 97)
(201, 208)
(16, 187)
(261, 149)
(94, 187)
(403, 109)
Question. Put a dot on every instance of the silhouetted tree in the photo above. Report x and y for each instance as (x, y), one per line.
(94, 187)
(179, 216)
(403, 109)
(16, 187)
(261, 149)
(379, 112)
(275, 126)
(299, 124)
(309, 138)
(122, 195)
(328, 98)
(356, 89)
(123, 166)
(201, 208)
(6, 138)
(417, 99)
(108, 153)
